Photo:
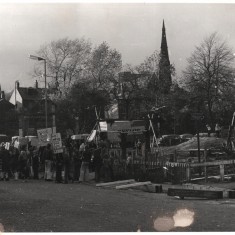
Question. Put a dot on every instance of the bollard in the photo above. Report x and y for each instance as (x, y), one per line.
(221, 172)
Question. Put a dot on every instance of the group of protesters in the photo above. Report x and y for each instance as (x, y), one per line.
(76, 163)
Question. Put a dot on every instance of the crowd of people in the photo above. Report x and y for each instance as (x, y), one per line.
(76, 164)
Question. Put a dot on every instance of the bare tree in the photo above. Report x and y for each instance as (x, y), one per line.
(66, 60)
(150, 65)
(104, 65)
(210, 74)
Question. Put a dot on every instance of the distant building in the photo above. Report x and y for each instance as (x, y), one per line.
(30, 105)
(8, 117)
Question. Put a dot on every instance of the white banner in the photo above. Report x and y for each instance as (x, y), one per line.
(129, 127)
(92, 136)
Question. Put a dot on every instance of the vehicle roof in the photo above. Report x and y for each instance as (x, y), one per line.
(171, 135)
(79, 136)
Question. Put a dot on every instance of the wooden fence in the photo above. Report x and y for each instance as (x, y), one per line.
(182, 166)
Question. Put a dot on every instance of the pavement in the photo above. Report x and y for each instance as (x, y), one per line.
(39, 206)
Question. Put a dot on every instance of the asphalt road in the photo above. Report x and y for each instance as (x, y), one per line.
(38, 206)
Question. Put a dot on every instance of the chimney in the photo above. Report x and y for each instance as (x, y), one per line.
(36, 84)
(17, 84)
(3, 95)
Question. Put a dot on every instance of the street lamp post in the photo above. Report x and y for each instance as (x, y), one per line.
(45, 76)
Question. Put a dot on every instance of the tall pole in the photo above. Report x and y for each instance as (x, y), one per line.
(45, 75)
(33, 57)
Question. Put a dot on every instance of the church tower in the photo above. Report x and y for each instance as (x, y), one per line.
(164, 65)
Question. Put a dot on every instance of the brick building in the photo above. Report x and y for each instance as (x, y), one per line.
(30, 105)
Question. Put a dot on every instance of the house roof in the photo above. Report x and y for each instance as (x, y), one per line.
(30, 93)
(5, 103)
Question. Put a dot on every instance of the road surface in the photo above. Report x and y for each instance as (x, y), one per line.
(39, 206)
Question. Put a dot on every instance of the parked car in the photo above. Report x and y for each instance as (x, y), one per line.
(205, 135)
(185, 137)
(169, 140)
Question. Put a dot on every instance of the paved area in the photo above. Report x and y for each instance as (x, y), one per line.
(39, 206)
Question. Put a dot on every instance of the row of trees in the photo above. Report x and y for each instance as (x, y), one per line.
(84, 80)
(209, 79)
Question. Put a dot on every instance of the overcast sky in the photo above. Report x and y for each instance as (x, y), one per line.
(133, 29)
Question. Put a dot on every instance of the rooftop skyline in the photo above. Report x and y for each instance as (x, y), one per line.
(134, 29)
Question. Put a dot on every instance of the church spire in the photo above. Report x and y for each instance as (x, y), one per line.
(164, 64)
(164, 48)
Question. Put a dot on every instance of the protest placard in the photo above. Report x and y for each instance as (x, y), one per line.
(57, 143)
(16, 144)
(23, 141)
(34, 142)
(44, 136)
(7, 145)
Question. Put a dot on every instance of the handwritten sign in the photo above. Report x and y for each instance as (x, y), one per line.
(57, 143)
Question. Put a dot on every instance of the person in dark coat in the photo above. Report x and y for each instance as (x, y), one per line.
(48, 157)
(66, 157)
(5, 156)
(59, 167)
(86, 159)
(35, 164)
(77, 161)
(15, 162)
(108, 160)
(1, 156)
(41, 162)
(30, 162)
(98, 162)
(23, 163)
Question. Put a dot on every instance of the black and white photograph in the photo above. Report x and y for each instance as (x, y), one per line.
(117, 116)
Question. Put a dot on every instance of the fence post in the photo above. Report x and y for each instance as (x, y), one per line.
(221, 172)
(205, 168)
(188, 173)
